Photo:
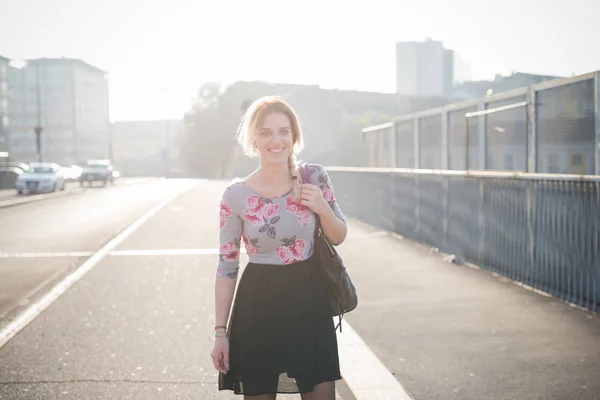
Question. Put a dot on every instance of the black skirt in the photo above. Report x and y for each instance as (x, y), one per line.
(281, 333)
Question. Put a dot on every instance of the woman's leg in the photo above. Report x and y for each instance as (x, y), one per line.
(323, 391)
(261, 397)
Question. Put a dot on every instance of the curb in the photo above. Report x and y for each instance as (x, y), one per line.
(38, 197)
(31, 199)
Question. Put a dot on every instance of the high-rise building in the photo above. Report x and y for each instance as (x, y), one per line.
(428, 69)
(68, 100)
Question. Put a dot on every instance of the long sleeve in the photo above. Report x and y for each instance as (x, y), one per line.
(320, 178)
(230, 232)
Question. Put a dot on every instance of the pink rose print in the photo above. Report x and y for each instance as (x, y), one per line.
(269, 211)
(291, 251)
(229, 251)
(298, 249)
(303, 213)
(285, 254)
(224, 213)
(253, 203)
(328, 194)
(251, 245)
(251, 216)
(261, 212)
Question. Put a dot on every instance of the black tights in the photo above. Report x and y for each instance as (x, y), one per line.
(323, 391)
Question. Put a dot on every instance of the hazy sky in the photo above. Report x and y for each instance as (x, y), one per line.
(159, 52)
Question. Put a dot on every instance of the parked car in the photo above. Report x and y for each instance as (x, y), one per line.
(41, 177)
(97, 171)
(9, 176)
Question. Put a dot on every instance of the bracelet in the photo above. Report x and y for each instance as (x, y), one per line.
(220, 327)
(220, 334)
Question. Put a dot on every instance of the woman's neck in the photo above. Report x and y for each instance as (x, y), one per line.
(274, 173)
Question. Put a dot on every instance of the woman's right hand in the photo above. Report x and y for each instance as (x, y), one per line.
(220, 354)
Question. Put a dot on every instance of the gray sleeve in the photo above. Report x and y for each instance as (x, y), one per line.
(320, 178)
(230, 232)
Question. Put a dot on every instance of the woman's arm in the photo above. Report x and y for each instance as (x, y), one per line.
(224, 289)
(229, 259)
(334, 229)
(318, 195)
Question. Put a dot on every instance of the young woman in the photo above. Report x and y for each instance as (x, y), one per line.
(281, 336)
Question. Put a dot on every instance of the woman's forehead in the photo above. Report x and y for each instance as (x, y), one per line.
(275, 120)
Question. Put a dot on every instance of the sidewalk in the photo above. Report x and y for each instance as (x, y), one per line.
(452, 332)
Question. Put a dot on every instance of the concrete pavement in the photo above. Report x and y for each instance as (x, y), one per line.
(138, 324)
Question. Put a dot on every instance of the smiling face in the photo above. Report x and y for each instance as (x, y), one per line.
(274, 139)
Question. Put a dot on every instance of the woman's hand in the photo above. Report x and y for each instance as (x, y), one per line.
(312, 197)
(220, 354)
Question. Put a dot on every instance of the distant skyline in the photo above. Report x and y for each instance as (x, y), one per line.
(158, 53)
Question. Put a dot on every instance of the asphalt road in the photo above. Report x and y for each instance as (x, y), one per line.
(138, 324)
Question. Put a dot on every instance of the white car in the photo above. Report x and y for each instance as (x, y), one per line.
(41, 177)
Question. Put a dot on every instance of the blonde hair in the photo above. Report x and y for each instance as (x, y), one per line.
(251, 124)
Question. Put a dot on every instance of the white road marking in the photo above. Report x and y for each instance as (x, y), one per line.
(133, 252)
(363, 372)
(166, 252)
(47, 254)
(37, 308)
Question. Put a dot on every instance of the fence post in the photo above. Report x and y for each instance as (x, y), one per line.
(417, 144)
(392, 149)
(481, 136)
(445, 141)
(597, 122)
(481, 223)
(531, 229)
(531, 141)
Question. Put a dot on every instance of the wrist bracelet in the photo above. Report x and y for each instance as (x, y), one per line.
(220, 327)
(220, 334)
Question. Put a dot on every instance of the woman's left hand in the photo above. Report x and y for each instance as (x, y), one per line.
(312, 197)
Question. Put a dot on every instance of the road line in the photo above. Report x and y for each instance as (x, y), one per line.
(47, 254)
(133, 252)
(165, 252)
(37, 308)
(363, 372)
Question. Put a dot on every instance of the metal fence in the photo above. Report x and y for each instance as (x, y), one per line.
(539, 229)
(550, 127)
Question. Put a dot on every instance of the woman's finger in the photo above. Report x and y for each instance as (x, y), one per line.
(226, 360)
(215, 360)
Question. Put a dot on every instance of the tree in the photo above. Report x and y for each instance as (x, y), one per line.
(207, 140)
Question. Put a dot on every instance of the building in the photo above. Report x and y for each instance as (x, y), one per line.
(4, 62)
(428, 69)
(145, 148)
(68, 99)
(477, 89)
(456, 71)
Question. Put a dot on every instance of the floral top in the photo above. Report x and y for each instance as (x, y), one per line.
(276, 230)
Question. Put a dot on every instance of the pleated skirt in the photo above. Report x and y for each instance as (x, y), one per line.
(281, 333)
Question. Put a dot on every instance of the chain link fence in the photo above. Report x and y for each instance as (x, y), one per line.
(541, 230)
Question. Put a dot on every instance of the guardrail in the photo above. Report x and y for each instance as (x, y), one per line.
(539, 229)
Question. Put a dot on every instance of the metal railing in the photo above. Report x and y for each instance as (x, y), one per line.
(539, 229)
(550, 127)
